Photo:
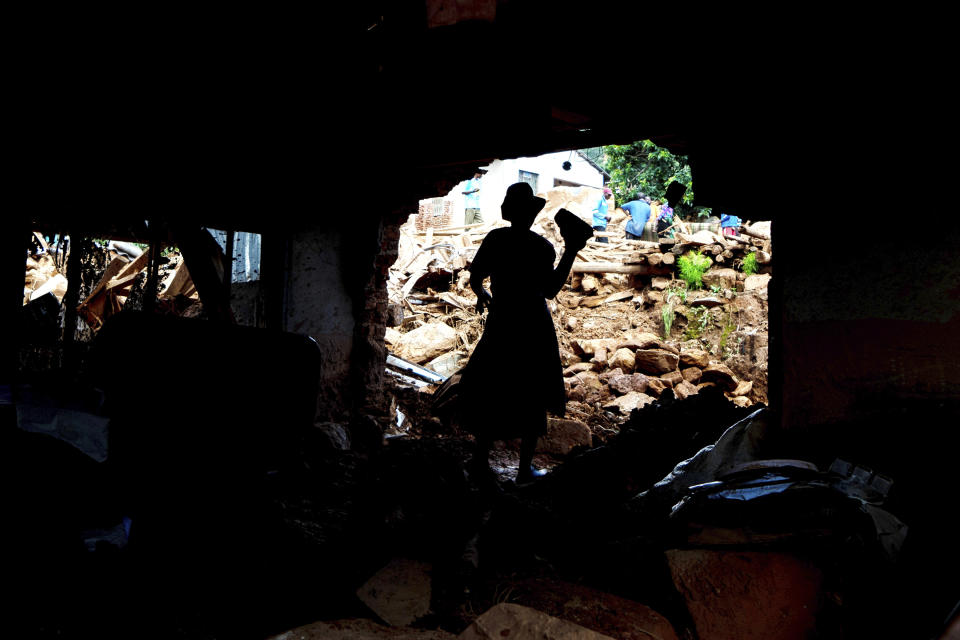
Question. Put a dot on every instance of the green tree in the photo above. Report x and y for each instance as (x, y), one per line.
(643, 167)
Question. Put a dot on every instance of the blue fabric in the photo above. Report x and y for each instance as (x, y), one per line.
(600, 209)
(472, 200)
(729, 221)
(639, 214)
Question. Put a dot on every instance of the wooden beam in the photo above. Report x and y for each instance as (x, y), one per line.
(616, 267)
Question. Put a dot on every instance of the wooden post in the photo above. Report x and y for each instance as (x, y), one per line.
(78, 245)
(150, 289)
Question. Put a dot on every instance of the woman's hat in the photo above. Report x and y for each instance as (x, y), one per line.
(520, 200)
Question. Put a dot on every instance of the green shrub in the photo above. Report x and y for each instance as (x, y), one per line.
(750, 264)
(692, 267)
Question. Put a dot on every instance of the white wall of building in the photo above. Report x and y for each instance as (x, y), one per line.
(503, 173)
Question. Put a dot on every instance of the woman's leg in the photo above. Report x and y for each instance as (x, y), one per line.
(528, 445)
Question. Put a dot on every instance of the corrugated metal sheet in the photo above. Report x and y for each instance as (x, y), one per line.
(246, 254)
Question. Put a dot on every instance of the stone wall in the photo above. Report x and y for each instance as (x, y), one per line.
(319, 305)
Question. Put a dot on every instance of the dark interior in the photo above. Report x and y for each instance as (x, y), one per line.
(342, 131)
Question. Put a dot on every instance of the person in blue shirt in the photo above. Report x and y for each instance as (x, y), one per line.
(601, 212)
(471, 196)
(639, 211)
(729, 225)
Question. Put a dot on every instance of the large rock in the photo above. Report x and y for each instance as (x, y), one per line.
(756, 282)
(684, 390)
(740, 401)
(726, 278)
(694, 358)
(625, 383)
(638, 341)
(721, 375)
(692, 374)
(659, 283)
(610, 373)
(672, 379)
(517, 622)
(599, 356)
(426, 342)
(655, 361)
(563, 436)
(589, 347)
(359, 629)
(622, 359)
(743, 388)
(589, 379)
(399, 593)
(589, 285)
(748, 595)
(655, 386)
(628, 402)
(579, 367)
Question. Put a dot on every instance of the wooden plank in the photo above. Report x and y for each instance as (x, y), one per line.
(616, 267)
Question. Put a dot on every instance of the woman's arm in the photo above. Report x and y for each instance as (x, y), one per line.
(558, 276)
(479, 271)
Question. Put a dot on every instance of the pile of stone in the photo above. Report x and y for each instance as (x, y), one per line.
(629, 372)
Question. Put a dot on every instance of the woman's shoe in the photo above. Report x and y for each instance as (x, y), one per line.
(529, 475)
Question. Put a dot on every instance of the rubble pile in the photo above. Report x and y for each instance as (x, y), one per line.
(113, 276)
(629, 328)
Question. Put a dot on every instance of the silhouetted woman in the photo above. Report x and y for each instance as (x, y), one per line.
(514, 376)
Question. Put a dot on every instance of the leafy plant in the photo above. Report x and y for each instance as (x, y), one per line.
(692, 267)
(678, 292)
(716, 289)
(667, 313)
(750, 264)
(643, 167)
(697, 320)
